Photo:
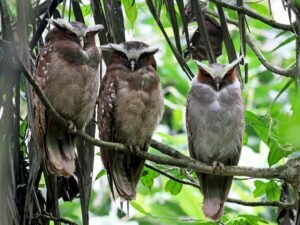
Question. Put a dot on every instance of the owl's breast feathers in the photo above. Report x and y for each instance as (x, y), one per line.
(71, 85)
(216, 122)
(139, 104)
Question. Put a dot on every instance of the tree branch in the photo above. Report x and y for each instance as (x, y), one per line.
(288, 172)
(254, 15)
(231, 200)
(283, 72)
(291, 72)
(54, 219)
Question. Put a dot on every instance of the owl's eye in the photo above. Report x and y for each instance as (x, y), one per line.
(205, 74)
(123, 55)
(143, 56)
(71, 34)
(227, 74)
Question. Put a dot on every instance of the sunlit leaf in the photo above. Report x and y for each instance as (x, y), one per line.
(130, 10)
(272, 191)
(285, 42)
(173, 187)
(100, 174)
(260, 188)
(148, 177)
(139, 208)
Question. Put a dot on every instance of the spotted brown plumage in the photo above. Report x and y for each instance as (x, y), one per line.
(67, 72)
(215, 125)
(130, 107)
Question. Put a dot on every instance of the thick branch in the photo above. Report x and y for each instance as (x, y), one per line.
(254, 15)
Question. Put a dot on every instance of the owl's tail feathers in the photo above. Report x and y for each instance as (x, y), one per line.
(60, 151)
(125, 175)
(215, 190)
(213, 208)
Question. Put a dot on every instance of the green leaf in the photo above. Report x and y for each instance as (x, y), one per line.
(245, 138)
(261, 126)
(275, 155)
(272, 191)
(173, 187)
(260, 8)
(100, 174)
(260, 188)
(130, 11)
(139, 208)
(177, 119)
(148, 177)
(285, 42)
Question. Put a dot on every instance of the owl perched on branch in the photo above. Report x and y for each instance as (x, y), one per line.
(215, 126)
(130, 107)
(67, 72)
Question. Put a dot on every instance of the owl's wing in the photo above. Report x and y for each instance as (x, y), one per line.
(39, 112)
(107, 97)
(189, 130)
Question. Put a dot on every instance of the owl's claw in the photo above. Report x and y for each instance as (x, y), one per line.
(71, 127)
(218, 165)
(133, 149)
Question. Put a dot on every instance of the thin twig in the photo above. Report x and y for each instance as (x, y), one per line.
(254, 15)
(62, 220)
(231, 200)
(262, 203)
(172, 177)
(291, 72)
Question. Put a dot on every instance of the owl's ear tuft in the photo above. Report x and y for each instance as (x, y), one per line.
(106, 48)
(151, 50)
(95, 28)
(202, 67)
(111, 47)
(234, 64)
(61, 24)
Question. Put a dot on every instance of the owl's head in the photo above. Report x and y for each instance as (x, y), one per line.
(73, 31)
(132, 54)
(217, 75)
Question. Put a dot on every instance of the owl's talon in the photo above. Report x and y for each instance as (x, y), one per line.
(218, 165)
(71, 127)
(133, 149)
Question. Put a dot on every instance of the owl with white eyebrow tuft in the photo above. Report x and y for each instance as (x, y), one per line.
(67, 72)
(130, 107)
(215, 126)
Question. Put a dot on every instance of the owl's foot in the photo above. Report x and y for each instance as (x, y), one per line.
(133, 149)
(218, 165)
(71, 127)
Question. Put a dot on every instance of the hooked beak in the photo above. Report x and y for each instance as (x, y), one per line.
(217, 82)
(132, 64)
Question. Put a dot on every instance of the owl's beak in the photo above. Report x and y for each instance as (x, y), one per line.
(132, 64)
(217, 82)
(81, 41)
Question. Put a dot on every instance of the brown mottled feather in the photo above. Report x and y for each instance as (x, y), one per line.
(130, 106)
(68, 75)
